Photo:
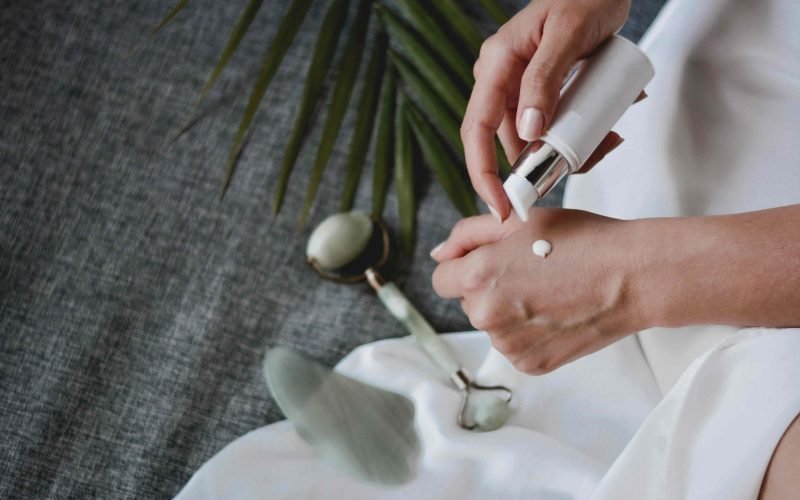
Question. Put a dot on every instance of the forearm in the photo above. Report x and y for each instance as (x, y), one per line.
(739, 269)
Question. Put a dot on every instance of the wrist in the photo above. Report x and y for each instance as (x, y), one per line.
(669, 260)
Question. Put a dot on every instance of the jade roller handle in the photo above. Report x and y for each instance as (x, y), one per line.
(404, 311)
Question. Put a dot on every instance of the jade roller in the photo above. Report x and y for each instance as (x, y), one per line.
(351, 247)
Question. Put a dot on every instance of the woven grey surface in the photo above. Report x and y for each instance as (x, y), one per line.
(135, 307)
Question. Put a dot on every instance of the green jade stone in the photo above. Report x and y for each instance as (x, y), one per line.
(363, 430)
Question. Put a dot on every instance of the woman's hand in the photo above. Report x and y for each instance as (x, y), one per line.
(542, 312)
(606, 278)
(518, 78)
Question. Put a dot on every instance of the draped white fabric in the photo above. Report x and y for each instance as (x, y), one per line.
(719, 134)
(689, 413)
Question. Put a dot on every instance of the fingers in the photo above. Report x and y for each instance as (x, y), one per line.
(467, 235)
(445, 279)
(485, 113)
(507, 132)
(558, 51)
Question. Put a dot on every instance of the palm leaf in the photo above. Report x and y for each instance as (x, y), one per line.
(461, 24)
(321, 62)
(429, 29)
(441, 162)
(427, 66)
(249, 12)
(439, 115)
(348, 70)
(174, 11)
(280, 44)
(404, 176)
(428, 98)
(383, 145)
(364, 122)
(495, 11)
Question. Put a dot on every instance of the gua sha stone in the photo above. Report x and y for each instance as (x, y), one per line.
(364, 430)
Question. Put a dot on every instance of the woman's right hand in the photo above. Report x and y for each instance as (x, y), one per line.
(518, 77)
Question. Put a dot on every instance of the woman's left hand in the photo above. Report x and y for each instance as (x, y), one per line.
(543, 312)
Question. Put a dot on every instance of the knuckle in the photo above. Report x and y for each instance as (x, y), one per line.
(502, 344)
(493, 46)
(540, 79)
(531, 365)
(478, 273)
(536, 365)
(484, 317)
(568, 20)
(476, 69)
(459, 228)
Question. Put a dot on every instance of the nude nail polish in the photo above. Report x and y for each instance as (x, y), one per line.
(437, 249)
(530, 125)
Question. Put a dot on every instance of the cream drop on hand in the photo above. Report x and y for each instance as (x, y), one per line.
(542, 248)
(593, 100)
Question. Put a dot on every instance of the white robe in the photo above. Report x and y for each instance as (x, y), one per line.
(688, 413)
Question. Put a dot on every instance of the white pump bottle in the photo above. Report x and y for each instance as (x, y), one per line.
(592, 101)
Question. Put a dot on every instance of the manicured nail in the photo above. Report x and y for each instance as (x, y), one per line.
(495, 213)
(617, 144)
(437, 249)
(530, 125)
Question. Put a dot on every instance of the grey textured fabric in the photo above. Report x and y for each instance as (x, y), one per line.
(135, 306)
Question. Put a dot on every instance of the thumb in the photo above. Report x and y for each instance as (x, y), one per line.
(542, 79)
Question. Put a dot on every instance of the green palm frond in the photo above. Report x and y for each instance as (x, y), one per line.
(174, 11)
(366, 118)
(384, 150)
(345, 80)
(427, 97)
(429, 29)
(404, 175)
(272, 59)
(438, 78)
(236, 36)
(441, 161)
(321, 62)
(420, 98)
(495, 11)
(461, 24)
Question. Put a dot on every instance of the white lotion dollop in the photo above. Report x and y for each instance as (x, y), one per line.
(542, 248)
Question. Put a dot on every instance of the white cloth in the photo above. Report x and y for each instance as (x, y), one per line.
(718, 134)
(568, 438)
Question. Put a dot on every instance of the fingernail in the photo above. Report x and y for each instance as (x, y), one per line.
(530, 125)
(437, 249)
(619, 141)
(495, 213)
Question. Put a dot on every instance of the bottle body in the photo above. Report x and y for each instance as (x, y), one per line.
(594, 99)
